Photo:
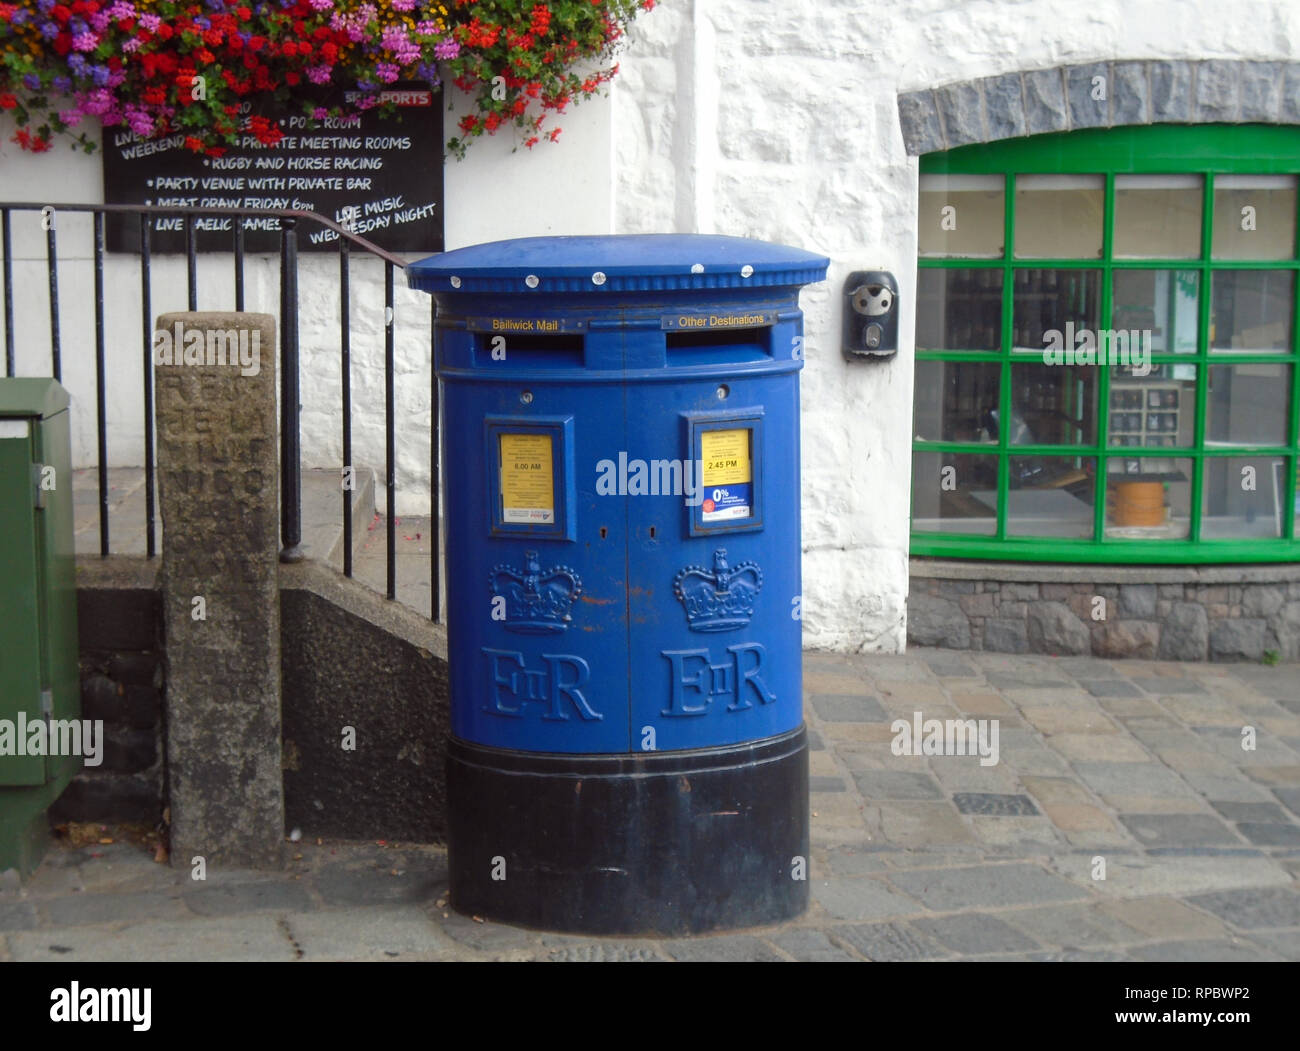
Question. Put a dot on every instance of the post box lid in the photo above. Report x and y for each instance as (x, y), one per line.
(29, 396)
(616, 263)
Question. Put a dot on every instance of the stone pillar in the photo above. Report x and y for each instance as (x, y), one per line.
(219, 496)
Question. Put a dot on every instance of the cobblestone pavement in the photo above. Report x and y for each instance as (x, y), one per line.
(1136, 764)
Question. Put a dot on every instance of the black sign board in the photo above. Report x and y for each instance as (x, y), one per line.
(378, 176)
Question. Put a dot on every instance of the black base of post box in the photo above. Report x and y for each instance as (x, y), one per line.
(649, 843)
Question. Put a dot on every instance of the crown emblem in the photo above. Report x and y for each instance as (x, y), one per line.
(537, 602)
(722, 599)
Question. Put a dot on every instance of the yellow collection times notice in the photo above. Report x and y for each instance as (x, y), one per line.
(527, 485)
(726, 456)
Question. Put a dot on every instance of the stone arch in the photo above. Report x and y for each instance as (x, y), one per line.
(1171, 91)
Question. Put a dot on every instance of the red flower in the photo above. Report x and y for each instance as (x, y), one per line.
(8, 101)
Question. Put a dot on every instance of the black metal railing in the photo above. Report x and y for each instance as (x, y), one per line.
(290, 408)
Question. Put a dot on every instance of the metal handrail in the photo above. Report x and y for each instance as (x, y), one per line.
(290, 423)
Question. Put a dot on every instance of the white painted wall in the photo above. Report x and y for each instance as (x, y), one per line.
(773, 119)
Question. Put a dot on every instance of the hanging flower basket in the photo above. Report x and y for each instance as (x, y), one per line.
(216, 70)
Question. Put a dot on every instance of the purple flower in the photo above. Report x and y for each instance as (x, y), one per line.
(446, 50)
(32, 82)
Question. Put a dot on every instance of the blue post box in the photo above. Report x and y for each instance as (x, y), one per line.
(621, 456)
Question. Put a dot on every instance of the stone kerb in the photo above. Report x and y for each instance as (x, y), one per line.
(219, 497)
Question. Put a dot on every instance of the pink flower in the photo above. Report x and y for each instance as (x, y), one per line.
(319, 74)
(85, 42)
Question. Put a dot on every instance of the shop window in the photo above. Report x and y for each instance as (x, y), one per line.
(1106, 347)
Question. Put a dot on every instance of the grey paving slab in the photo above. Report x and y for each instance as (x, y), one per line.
(1226, 789)
(83, 910)
(1285, 942)
(231, 938)
(480, 935)
(17, 916)
(1132, 779)
(233, 899)
(1073, 926)
(984, 886)
(1261, 811)
(1253, 907)
(379, 933)
(722, 948)
(1110, 688)
(896, 784)
(993, 805)
(1168, 685)
(846, 708)
(401, 878)
(1290, 798)
(815, 742)
(1270, 834)
(952, 669)
(1203, 952)
(827, 784)
(890, 942)
(1163, 830)
(1027, 681)
(813, 946)
(971, 933)
(1136, 876)
(862, 899)
(850, 862)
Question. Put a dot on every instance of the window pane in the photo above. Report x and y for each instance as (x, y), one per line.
(1148, 498)
(943, 488)
(1160, 302)
(1157, 217)
(1243, 496)
(1247, 405)
(1054, 404)
(1152, 412)
(1050, 496)
(1045, 301)
(962, 215)
(1254, 217)
(959, 309)
(1251, 310)
(956, 401)
(1059, 216)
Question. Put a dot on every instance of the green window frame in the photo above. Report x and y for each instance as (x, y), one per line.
(1205, 151)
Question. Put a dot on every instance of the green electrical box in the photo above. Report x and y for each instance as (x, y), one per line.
(41, 745)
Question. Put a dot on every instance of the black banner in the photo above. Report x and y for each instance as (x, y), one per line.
(380, 177)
